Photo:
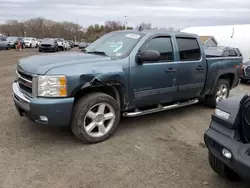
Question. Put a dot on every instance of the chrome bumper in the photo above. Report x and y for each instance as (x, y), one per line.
(22, 101)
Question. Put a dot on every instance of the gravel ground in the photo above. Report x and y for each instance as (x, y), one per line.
(158, 150)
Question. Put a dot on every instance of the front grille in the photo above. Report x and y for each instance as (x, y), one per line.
(46, 45)
(247, 71)
(25, 83)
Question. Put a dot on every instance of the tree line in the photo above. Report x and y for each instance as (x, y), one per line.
(41, 28)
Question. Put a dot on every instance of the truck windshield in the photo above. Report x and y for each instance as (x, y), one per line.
(115, 45)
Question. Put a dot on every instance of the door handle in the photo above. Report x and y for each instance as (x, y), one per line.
(199, 68)
(171, 70)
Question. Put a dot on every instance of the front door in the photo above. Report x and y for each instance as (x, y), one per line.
(154, 82)
(191, 74)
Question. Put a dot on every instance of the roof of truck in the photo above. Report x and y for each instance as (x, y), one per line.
(161, 31)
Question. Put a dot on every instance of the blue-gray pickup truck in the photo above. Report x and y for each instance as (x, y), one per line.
(124, 73)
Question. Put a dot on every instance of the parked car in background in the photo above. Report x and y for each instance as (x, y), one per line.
(71, 43)
(82, 45)
(67, 45)
(31, 42)
(228, 139)
(4, 45)
(48, 45)
(89, 91)
(76, 44)
(61, 44)
(222, 51)
(14, 40)
(246, 72)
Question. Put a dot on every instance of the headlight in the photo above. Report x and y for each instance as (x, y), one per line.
(52, 86)
(221, 113)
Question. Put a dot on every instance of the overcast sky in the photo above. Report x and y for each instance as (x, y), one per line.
(175, 13)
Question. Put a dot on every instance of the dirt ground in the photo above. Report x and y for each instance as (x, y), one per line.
(159, 150)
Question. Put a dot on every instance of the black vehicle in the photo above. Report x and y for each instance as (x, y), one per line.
(48, 45)
(228, 139)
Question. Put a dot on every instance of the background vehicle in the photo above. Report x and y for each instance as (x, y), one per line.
(71, 42)
(82, 45)
(227, 35)
(129, 72)
(76, 44)
(49, 45)
(61, 44)
(31, 42)
(246, 72)
(228, 139)
(67, 45)
(4, 44)
(13, 41)
(222, 51)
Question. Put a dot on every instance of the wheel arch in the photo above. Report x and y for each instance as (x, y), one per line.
(115, 89)
(229, 75)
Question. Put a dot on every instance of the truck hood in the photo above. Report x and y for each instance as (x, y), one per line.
(40, 64)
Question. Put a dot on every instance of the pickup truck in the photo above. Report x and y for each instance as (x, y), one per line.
(124, 73)
(228, 139)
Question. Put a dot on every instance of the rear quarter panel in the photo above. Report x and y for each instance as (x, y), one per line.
(217, 67)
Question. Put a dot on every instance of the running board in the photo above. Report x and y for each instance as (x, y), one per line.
(160, 108)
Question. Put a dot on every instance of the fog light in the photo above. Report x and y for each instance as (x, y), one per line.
(227, 154)
(43, 118)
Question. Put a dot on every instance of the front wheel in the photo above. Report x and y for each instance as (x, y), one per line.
(221, 92)
(95, 117)
(221, 169)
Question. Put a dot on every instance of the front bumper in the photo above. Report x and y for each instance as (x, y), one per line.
(58, 110)
(48, 49)
(240, 161)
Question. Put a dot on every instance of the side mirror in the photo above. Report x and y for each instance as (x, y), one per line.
(148, 55)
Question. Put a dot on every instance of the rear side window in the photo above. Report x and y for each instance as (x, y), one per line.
(189, 49)
(232, 53)
(163, 45)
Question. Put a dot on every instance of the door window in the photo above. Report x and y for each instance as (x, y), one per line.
(163, 45)
(189, 49)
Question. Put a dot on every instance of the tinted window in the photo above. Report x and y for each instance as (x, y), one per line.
(189, 49)
(163, 45)
(232, 53)
(225, 53)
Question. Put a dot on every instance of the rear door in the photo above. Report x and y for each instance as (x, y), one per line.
(191, 74)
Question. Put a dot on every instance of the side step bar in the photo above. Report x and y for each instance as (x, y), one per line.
(160, 108)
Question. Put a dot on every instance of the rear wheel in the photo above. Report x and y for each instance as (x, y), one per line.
(221, 92)
(221, 169)
(95, 117)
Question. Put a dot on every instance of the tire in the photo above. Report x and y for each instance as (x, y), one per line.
(244, 81)
(80, 119)
(212, 100)
(221, 169)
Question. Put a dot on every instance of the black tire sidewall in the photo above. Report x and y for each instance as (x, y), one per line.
(83, 107)
(211, 100)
